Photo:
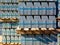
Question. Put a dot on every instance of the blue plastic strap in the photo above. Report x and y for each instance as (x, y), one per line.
(36, 8)
(29, 40)
(41, 23)
(32, 23)
(27, 23)
(51, 23)
(36, 23)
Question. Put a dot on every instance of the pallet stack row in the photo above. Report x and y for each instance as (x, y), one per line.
(37, 8)
(29, 22)
(58, 21)
(36, 14)
(9, 11)
(58, 13)
(37, 22)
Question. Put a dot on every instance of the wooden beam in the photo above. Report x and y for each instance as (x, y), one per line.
(54, 32)
(14, 19)
(37, 31)
(47, 32)
(9, 20)
(21, 32)
(11, 44)
(58, 30)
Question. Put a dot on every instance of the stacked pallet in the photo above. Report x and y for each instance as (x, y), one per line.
(37, 20)
(36, 17)
(37, 8)
(39, 39)
(36, 31)
(58, 13)
(38, 14)
(9, 17)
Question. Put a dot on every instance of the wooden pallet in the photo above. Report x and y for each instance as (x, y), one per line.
(11, 44)
(9, 20)
(35, 31)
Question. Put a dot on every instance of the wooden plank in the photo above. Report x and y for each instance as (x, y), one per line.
(47, 32)
(9, 20)
(51, 29)
(58, 19)
(58, 30)
(37, 31)
(34, 32)
(54, 32)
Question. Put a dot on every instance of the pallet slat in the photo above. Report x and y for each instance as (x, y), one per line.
(11, 44)
(8, 20)
(34, 31)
